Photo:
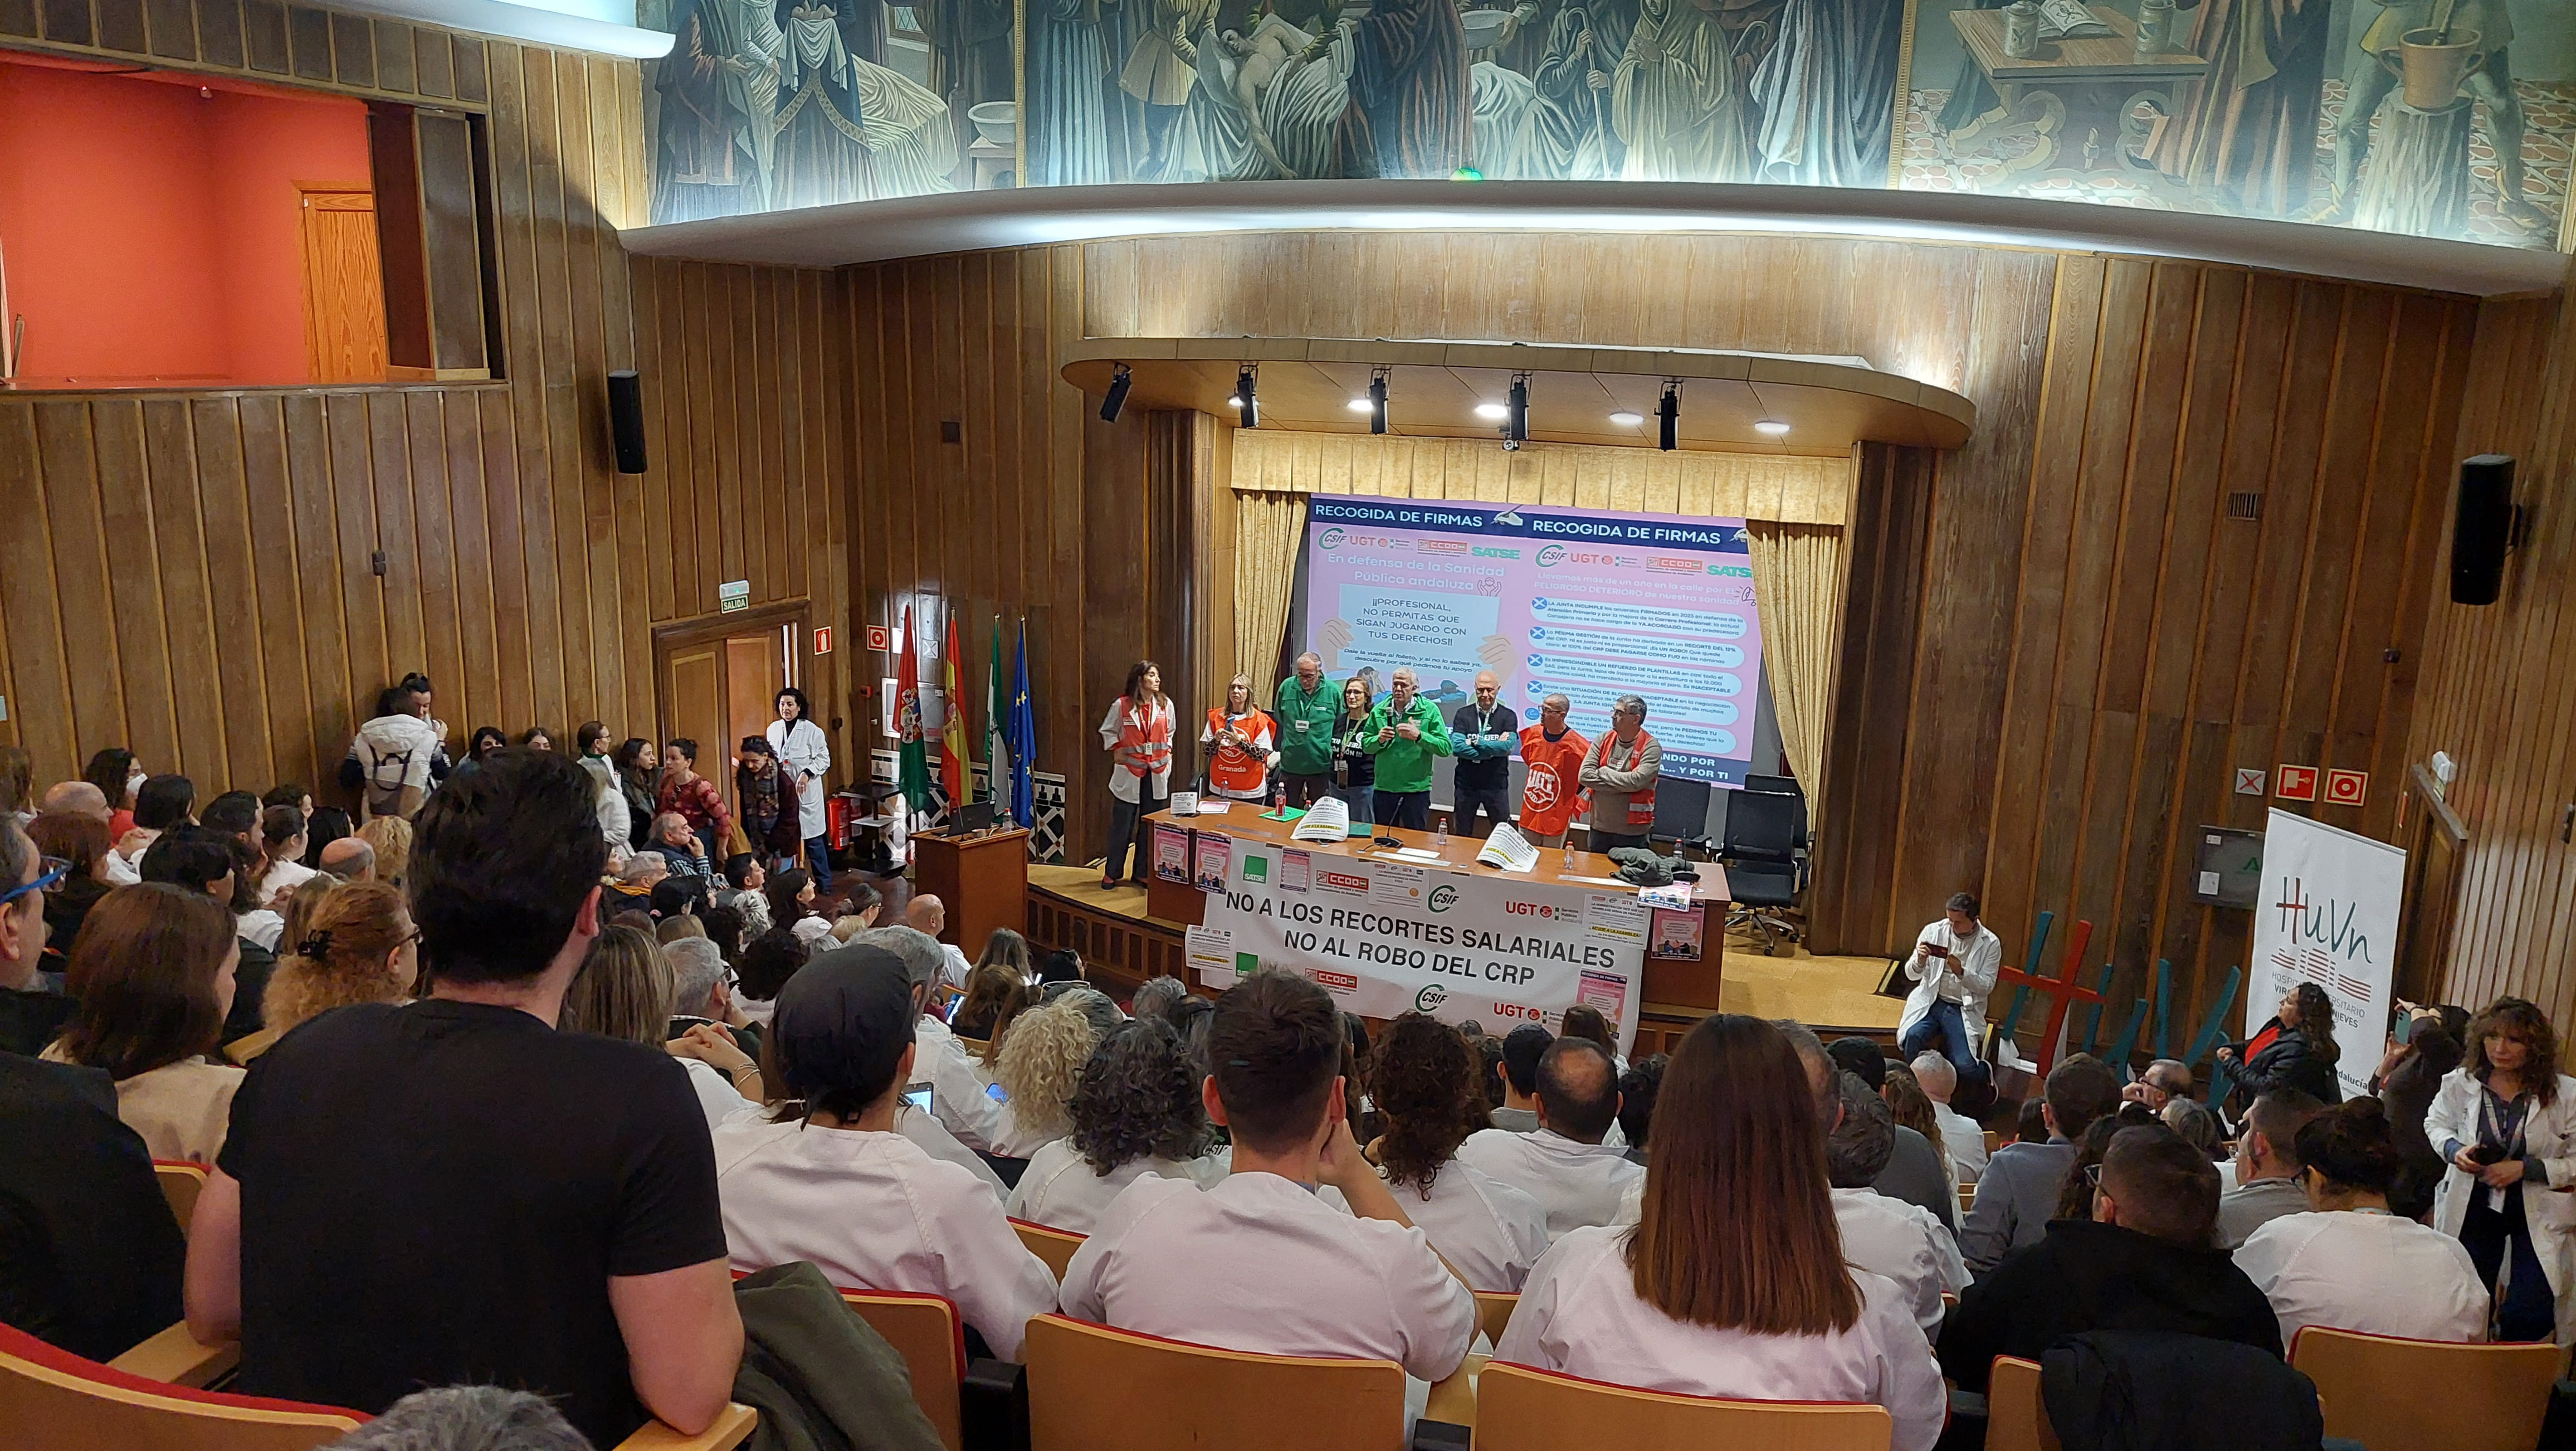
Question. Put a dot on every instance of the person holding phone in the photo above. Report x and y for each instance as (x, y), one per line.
(1953, 967)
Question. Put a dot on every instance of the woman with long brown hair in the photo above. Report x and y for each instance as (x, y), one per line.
(1137, 733)
(153, 972)
(2296, 1049)
(626, 989)
(2505, 1120)
(1424, 1082)
(1733, 1284)
(356, 945)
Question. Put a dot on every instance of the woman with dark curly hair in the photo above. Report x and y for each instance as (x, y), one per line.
(2295, 1050)
(1425, 1083)
(1136, 1111)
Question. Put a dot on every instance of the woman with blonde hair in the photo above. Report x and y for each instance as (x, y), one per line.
(626, 989)
(153, 973)
(1243, 744)
(357, 945)
(1039, 1067)
(391, 838)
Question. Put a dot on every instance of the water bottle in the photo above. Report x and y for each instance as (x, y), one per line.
(1569, 853)
(1440, 836)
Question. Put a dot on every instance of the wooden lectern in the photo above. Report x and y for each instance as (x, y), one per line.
(983, 880)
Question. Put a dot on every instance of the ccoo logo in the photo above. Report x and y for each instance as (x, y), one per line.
(1443, 897)
(1330, 539)
(1431, 997)
(1552, 555)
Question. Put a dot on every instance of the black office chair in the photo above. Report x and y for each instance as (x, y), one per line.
(1681, 817)
(1784, 786)
(1765, 867)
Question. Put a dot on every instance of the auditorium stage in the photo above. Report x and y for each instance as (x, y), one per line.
(1111, 929)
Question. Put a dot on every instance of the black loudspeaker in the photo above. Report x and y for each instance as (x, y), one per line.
(2482, 530)
(626, 419)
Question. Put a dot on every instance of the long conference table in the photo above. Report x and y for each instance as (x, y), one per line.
(1683, 987)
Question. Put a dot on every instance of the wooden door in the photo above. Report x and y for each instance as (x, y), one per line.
(693, 702)
(344, 299)
(755, 670)
(719, 680)
(2435, 840)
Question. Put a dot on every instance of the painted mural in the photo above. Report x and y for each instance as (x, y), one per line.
(2447, 118)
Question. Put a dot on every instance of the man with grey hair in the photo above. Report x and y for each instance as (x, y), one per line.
(1959, 1133)
(466, 1418)
(1913, 1173)
(1404, 732)
(1552, 755)
(679, 846)
(1621, 773)
(1886, 1236)
(350, 859)
(1483, 732)
(76, 798)
(1307, 708)
(959, 1096)
(1157, 997)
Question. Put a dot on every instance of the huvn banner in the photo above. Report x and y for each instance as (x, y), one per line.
(1391, 937)
(2328, 915)
(1589, 604)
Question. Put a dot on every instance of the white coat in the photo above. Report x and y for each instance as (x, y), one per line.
(1979, 958)
(802, 749)
(2550, 1136)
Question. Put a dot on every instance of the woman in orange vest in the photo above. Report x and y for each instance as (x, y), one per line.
(1554, 752)
(1137, 733)
(1245, 742)
(1620, 775)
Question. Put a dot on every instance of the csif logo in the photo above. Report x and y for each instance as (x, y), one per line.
(1330, 538)
(1551, 556)
(1443, 897)
(1431, 997)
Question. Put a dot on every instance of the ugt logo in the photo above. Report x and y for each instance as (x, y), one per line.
(1443, 897)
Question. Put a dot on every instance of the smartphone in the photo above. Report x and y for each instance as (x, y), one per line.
(1936, 949)
(918, 1097)
(994, 1092)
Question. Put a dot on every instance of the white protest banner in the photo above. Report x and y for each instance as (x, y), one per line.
(1483, 947)
(2328, 916)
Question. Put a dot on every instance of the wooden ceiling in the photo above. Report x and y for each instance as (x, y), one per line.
(1434, 389)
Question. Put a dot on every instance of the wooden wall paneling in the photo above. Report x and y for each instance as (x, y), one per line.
(531, 474)
(253, 427)
(513, 623)
(553, 364)
(127, 506)
(322, 598)
(80, 568)
(31, 603)
(577, 404)
(460, 445)
(442, 652)
(218, 674)
(389, 462)
(657, 360)
(363, 664)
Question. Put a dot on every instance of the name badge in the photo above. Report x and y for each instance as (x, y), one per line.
(1301, 726)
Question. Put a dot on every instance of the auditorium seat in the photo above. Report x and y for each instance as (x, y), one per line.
(1051, 1245)
(1994, 1141)
(2428, 1395)
(1967, 1196)
(927, 1332)
(181, 1182)
(1521, 1409)
(1494, 1311)
(52, 1398)
(2015, 1419)
(1085, 1394)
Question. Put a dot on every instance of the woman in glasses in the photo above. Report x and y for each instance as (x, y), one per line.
(356, 946)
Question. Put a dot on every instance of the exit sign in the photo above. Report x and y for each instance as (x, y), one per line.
(733, 595)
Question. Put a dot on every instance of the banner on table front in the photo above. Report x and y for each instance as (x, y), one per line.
(2328, 915)
(1389, 937)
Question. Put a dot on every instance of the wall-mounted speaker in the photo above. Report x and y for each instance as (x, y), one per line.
(2482, 529)
(626, 419)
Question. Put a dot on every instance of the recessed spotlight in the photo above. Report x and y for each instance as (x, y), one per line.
(1626, 419)
(1492, 410)
(1771, 426)
(1233, 400)
(1362, 405)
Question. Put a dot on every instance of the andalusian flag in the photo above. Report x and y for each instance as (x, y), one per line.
(914, 777)
(996, 749)
(952, 736)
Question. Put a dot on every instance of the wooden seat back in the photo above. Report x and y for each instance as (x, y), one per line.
(1051, 1245)
(1087, 1393)
(1494, 1311)
(2015, 1418)
(52, 1398)
(928, 1333)
(181, 1183)
(2429, 1395)
(1521, 1409)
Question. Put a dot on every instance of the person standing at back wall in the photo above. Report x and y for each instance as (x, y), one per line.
(1620, 775)
(1484, 733)
(1405, 733)
(805, 755)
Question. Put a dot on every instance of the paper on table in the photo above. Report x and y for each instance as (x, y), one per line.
(1417, 854)
(1185, 803)
(1609, 915)
(1210, 806)
(1508, 849)
(1675, 896)
(1596, 881)
(1326, 820)
(1396, 885)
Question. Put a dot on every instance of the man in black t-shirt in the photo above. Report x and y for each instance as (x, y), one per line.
(454, 1192)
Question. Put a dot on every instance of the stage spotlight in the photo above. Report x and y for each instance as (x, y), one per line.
(1119, 383)
(1361, 405)
(1516, 426)
(1669, 412)
(1247, 406)
(1494, 412)
(1377, 402)
(1625, 419)
(1772, 427)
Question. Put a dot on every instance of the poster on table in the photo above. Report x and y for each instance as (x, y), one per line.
(2328, 915)
(1171, 852)
(1387, 938)
(1588, 604)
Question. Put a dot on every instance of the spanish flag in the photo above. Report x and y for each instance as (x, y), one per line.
(953, 737)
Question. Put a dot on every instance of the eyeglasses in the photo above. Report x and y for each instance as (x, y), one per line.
(49, 871)
(2093, 1175)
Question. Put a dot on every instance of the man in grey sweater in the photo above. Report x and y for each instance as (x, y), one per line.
(2017, 1195)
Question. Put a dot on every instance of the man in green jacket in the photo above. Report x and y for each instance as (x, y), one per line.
(1308, 707)
(1404, 733)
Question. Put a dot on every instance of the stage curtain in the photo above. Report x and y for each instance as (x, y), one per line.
(1267, 528)
(1794, 567)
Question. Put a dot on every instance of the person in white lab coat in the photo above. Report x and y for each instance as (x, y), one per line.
(2505, 1119)
(1960, 1134)
(805, 754)
(1905, 1242)
(2349, 1264)
(961, 1092)
(1735, 1282)
(1136, 1112)
(1256, 1262)
(1421, 1081)
(1953, 965)
(829, 1178)
(1039, 1064)
(1565, 1166)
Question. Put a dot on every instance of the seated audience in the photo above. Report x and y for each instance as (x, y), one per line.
(350, 859)
(1424, 1084)
(356, 946)
(632, 891)
(1193, 1016)
(2165, 1080)
(1962, 1136)
(153, 974)
(80, 841)
(1037, 1065)
(31, 1014)
(1061, 966)
(1008, 950)
(390, 838)
(860, 903)
(702, 990)
(282, 844)
(2350, 1264)
(1885, 1236)
(118, 776)
(961, 1092)
(1908, 1107)
(218, 865)
(1637, 1089)
(996, 992)
(1733, 1282)
(1256, 1262)
(928, 915)
(2197, 1125)
(466, 1418)
(1917, 1169)
(680, 848)
(160, 803)
(2030, 1120)
(791, 906)
(574, 1249)
(1135, 1111)
(17, 786)
(294, 915)
(768, 961)
(724, 928)
(626, 989)
(676, 896)
(324, 828)
(744, 877)
(2267, 1176)
(77, 798)
(2019, 1186)
(1564, 1164)
(827, 1178)
(1521, 1049)
(1155, 997)
(2143, 1261)
(1586, 1021)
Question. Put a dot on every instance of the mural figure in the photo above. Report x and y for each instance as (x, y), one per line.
(1676, 100)
(719, 90)
(1574, 77)
(1068, 120)
(1823, 90)
(2373, 75)
(1409, 112)
(2248, 129)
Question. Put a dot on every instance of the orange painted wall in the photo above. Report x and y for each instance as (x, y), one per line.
(151, 227)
